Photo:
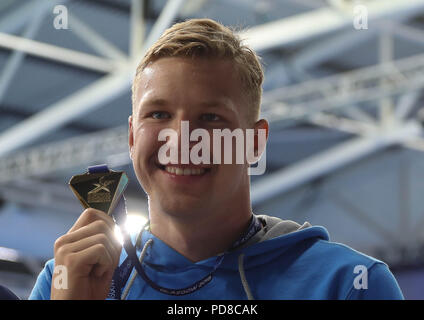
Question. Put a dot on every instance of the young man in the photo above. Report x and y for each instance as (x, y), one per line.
(203, 240)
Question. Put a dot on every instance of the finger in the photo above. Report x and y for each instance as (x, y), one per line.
(90, 215)
(96, 227)
(96, 259)
(97, 239)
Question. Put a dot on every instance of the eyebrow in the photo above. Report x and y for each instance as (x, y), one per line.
(154, 102)
(150, 102)
(218, 104)
(209, 104)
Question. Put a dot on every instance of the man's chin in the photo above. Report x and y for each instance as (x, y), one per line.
(184, 206)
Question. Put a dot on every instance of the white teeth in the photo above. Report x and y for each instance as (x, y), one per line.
(185, 171)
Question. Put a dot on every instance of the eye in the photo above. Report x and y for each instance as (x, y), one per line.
(210, 117)
(159, 115)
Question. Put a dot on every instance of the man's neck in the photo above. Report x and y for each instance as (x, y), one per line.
(205, 236)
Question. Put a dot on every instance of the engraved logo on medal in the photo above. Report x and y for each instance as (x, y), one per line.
(101, 192)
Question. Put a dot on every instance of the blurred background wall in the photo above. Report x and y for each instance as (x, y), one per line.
(343, 93)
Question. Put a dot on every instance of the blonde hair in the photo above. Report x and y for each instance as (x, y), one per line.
(206, 38)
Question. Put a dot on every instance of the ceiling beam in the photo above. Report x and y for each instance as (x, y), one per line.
(21, 113)
(55, 53)
(305, 26)
(111, 5)
(289, 105)
(329, 161)
(88, 98)
(64, 111)
(94, 40)
(352, 87)
(19, 17)
(16, 57)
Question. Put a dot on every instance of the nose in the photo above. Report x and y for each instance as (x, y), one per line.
(183, 126)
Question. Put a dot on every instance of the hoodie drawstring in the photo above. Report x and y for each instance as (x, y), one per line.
(143, 253)
(243, 277)
(240, 269)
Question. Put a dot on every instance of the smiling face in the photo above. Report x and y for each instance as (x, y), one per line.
(208, 94)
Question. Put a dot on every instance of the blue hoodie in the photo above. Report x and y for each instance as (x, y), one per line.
(284, 260)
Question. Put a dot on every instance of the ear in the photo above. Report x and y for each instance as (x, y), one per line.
(130, 136)
(259, 146)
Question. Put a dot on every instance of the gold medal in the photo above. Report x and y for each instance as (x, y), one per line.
(100, 190)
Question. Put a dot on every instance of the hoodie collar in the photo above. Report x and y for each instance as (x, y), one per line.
(267, 243)
(162, 256)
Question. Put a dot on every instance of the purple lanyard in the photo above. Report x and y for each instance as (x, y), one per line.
(123, 272)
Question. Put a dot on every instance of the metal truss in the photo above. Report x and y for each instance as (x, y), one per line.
(117, 80)
(285, 106)
(292, 104)
(311, 101)
(330, 160)
(119, 71)
(322, 21)
(75, 152)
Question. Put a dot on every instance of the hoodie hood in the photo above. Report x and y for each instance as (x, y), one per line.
(274, 227)
(275, 238)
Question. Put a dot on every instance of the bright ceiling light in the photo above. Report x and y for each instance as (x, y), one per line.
(133, 225)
